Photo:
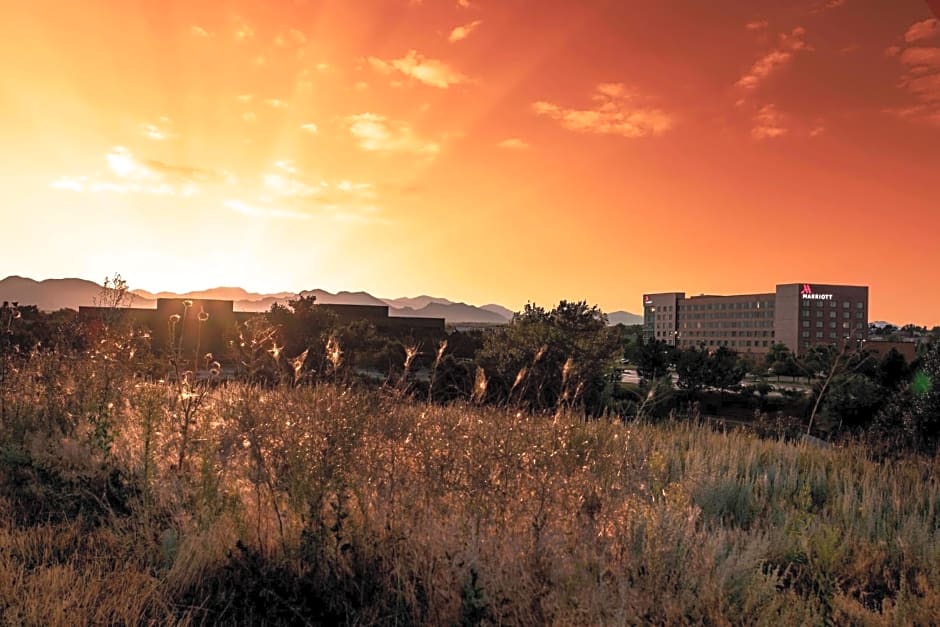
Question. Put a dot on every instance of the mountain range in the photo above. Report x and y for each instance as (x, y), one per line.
(53, 294)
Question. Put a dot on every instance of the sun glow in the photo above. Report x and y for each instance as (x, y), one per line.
(407, 147)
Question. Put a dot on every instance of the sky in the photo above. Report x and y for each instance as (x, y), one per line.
(480, 150)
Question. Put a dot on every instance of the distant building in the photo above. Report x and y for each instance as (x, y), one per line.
(798, 315)
(883, 347)
(208, 322)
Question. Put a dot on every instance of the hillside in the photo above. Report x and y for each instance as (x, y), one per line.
(53, 294)
(624, 317)
(430, 515)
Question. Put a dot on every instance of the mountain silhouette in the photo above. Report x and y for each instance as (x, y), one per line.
(54, 294)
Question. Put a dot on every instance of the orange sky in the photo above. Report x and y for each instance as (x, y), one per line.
(480, 150)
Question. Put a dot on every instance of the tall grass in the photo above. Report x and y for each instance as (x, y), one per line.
(325, 504)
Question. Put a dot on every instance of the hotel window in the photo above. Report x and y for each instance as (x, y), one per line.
(846, 304)
(832, 303)
(859, 314)
(819, 334)
(832, 314)
(832, 325)
(833, 336)
(846, 325)
(805, 334)
(860, 305)
(819, 324)
(820, 304)
(846, 314)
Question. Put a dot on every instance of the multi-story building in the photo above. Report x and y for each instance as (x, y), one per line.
(798, 315)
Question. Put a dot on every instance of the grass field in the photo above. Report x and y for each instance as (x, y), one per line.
(128, 502)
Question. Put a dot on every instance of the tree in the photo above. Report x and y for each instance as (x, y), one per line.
(693, 370)
(303, 326)
(852, 401)
(893, 370)
(653, 360)
(819, 361)
(631, 338)
(926, 404)
(779, 361)
(543, 358)
(721, 369)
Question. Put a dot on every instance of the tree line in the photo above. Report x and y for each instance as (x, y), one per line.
(545, 359)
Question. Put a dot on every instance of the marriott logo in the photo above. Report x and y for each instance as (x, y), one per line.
(807, 294)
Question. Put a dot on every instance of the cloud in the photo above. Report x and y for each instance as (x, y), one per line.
(290, 36)
(428, 71)
(285, 192)
(310, 127)
(242, 30)
(788, 46)
(179, 175)
(614, 113)
(462, 32)
(825, 5)
(513, 143)
(375, 133)
(277, 185)
(276, 103)
(918, 113)
(922, 30)
(926, 88)
(250, 117)
(921, 76)
(159, 131)
(199, 31)
(256, 211)
(927, 57)
(768, 123)
(126, 174)
(464, 4)
(756, 25)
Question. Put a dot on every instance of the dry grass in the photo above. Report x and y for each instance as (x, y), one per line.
(325, 504)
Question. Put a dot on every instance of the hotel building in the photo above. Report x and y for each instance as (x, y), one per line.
(798, 315)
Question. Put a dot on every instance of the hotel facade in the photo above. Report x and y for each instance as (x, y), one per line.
(797, 315)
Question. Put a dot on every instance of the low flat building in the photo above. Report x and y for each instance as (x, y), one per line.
(797, 315)
(205, 324)
(882, 347)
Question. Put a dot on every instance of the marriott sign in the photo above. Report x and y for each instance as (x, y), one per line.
(807, 293)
